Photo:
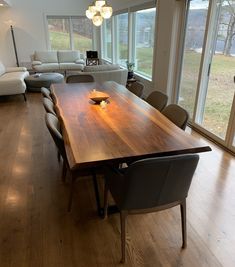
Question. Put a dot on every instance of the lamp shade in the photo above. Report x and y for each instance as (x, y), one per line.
(106, 12)
(97, 19)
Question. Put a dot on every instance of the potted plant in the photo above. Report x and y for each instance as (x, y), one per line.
(130, 68)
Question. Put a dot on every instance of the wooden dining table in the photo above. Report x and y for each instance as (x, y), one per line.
(124, 130)
(128, 128)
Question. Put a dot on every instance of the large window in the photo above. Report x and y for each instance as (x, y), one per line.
(122, 38)
(107, 39)
(144, 40)
(132, 39)
(82, 34)
(70, 33)
(59, 35)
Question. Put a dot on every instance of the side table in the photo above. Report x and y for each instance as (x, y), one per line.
(130, 81)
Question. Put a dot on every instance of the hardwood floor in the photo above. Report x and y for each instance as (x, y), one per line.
(36, 229)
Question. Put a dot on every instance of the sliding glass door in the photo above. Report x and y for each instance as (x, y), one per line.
(194, 39)
(207, 78)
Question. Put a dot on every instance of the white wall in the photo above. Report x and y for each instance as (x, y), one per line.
(29, 29)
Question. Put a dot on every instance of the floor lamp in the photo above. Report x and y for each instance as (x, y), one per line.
(14, 44)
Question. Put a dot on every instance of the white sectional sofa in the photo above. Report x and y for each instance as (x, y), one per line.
(102, 73)
(12, 80)
(61, 60)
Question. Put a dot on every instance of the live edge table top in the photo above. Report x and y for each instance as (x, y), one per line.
(128, 128)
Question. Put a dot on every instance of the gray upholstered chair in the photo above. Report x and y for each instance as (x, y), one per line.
(177, 115)
(136, 88)
(84, 78)
(49, 106)
(158, 100)
(151, 185)
(46, 93)
(53, 126)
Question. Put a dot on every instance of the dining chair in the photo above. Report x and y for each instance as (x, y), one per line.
(150, 185)
(49, 106)
(157, 99)
(177, 115)
(54, 128)
(85, 78)
(46, 93)
(136, 88)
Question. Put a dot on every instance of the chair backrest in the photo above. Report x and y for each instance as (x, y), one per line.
(53, 126)
(46, 93)
(84, 78)
(158, 100)
(49, 106)
(177, 115)
(137, 88)
(158, 181)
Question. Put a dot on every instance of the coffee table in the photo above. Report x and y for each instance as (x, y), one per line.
(34, 82)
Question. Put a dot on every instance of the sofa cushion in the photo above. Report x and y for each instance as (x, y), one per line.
(71, 66)
(46, 67)
(16, 69)
(97, 68)
(2, 69)
(46, 56)
(67, 56)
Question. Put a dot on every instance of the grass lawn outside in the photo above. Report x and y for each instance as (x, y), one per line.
(220, 90)
(61, 41)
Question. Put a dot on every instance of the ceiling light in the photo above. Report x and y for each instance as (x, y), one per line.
(98, 11)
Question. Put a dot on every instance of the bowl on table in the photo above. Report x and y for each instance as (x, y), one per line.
(98, 96)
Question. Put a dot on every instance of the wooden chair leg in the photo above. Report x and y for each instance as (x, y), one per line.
(106, 192)
(71, 193)
(64, 171)
(58, 155)
(123, 215)
(25, 99)
(183, 223)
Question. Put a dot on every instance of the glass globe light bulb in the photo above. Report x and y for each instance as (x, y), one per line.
(97, 19)
(106, 12)
(89, 14)
(99, 4)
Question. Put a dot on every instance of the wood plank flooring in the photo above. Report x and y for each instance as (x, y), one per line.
(37, 231)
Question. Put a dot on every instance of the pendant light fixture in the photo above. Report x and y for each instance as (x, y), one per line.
(98, 11)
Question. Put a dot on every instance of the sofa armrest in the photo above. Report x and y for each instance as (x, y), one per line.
(36, 62)
(16, 69)
(80, 61)
(82, 56)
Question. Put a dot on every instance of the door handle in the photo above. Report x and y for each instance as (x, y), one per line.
(209, 70)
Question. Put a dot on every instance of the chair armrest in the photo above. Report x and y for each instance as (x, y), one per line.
(36, 62)
(16, 69)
